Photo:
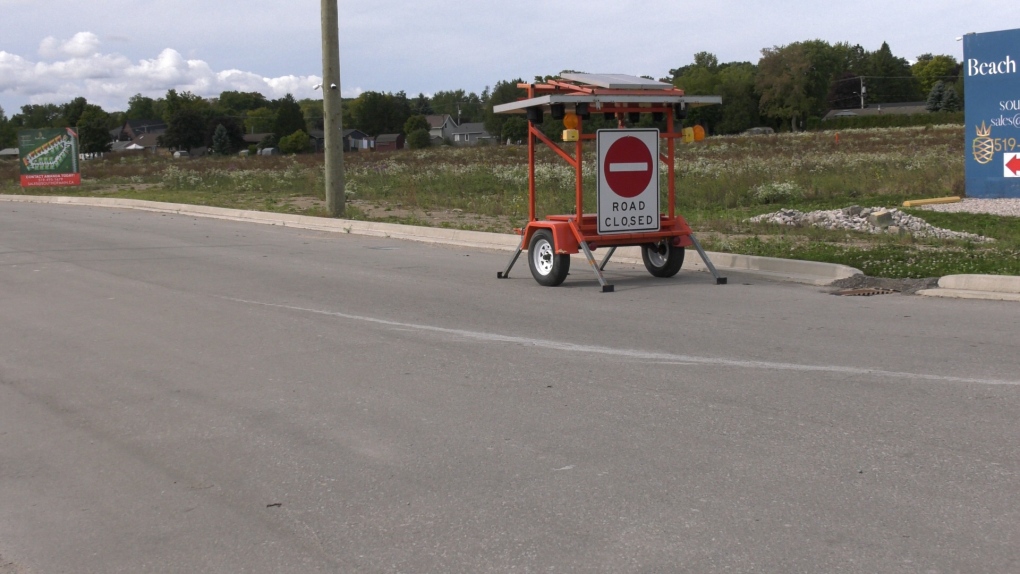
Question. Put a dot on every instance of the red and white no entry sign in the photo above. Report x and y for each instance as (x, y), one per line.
(628, 166)
(628, 182)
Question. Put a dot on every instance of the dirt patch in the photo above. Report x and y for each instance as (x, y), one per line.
(904, 286)
(119, 187)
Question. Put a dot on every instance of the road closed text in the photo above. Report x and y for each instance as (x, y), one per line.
(629, 214)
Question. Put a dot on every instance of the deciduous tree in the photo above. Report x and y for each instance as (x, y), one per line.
(73, 110)
(502, 93)
(782, 83)
(931, 69)
(414, 123)
(141, 108)
(185, 130)
(38, 116)
(380, 113)
(8, 133)
(236, 103)
(296, 142)
(260, 121)
(94, 130)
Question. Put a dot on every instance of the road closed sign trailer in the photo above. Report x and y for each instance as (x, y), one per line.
(629, 164)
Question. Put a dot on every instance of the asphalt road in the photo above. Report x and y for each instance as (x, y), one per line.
(190, 395)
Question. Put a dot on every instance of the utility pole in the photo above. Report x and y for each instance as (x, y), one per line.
(862, 92)
(332, 122)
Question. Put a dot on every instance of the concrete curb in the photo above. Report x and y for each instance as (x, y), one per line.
(807, 272)
(989, 287)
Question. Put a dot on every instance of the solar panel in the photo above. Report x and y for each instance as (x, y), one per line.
(617, 81)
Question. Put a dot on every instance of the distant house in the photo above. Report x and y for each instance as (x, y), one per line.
(440, 127)
(147, 141)
(125, 146)
(9, 153)
(134, 128)
(317, 140)
(255, 138)
(470, 134)
(899, 108)
(389, 142)
(355, 140)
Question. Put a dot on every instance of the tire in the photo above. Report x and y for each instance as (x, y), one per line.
(662, 259)
(547, 267)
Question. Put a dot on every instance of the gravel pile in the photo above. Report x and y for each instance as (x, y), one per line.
(1009, 206)
(865, 219)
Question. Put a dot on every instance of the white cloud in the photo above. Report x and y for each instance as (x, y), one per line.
(77, 67)
(80, 45)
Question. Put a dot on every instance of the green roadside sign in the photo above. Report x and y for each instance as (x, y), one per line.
(48, 157)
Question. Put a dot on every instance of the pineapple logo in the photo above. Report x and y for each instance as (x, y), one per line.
(983, 146)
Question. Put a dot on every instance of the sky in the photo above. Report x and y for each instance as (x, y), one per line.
(52, 51)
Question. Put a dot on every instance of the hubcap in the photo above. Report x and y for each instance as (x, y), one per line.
(658, 255)
(543, 258)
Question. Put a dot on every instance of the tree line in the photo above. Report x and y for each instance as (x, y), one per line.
(787, 88)
(794, 84)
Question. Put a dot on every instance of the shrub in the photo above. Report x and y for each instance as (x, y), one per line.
(773, 192)
(419, 139)
(891, 121)
(296, 142)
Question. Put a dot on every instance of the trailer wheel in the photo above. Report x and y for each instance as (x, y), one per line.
(547, 267)
(662, 259)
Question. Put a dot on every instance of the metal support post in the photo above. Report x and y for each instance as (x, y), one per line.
(708, 263)
(605, 260)
(506, 273)
(606, 287)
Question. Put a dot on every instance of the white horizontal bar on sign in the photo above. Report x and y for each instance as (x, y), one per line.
(622, 166)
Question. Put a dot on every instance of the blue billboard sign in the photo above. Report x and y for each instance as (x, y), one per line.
(991, 88)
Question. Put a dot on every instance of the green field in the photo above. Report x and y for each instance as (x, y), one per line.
(721, 182)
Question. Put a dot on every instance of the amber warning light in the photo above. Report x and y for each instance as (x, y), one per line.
(570, 121)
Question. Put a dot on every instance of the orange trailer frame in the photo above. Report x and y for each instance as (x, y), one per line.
(621, 96)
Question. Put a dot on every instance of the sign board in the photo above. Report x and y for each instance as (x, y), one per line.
(991, 68)
(48, 157)
(628, 180)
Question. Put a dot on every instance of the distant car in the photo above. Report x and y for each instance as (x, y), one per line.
(759, 132)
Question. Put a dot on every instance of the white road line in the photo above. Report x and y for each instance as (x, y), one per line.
(623, 166)
(637, 354)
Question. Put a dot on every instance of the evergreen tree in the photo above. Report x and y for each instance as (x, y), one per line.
(891, 79)
(936, 97)
(421, 106)
(289, 118)
(235, 133)
(221, 141)
(951, 101)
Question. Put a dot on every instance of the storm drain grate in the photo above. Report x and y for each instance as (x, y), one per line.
(865, 292)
